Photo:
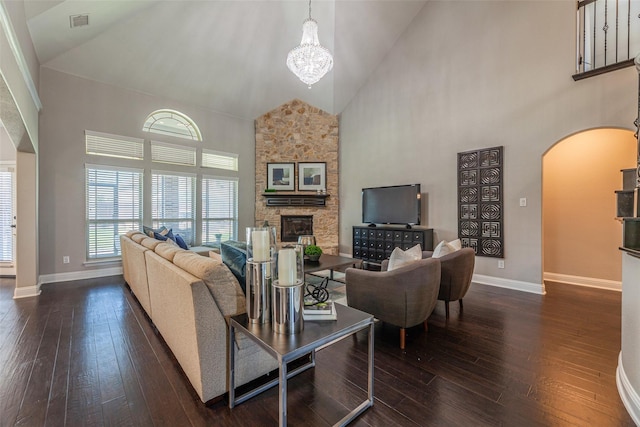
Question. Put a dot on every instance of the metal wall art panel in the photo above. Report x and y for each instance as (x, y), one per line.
(480, 207)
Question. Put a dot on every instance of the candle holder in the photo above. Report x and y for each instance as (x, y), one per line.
(261, 243)
(288, 292)
(261, 250)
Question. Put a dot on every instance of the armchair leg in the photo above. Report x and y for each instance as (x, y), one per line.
(461, 305)
(446, 308)
(426, 326)
(402, 334)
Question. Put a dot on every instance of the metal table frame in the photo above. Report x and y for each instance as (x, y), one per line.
(318, 335)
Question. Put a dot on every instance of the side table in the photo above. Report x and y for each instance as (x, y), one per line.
(285, 348)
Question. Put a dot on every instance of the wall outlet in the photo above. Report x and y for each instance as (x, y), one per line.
(523, 201)
(65, 259)
(500, 263)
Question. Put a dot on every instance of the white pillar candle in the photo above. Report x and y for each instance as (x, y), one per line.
(260, 242)
(287, 267)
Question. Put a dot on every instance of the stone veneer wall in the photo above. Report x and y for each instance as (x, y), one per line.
(298, 132)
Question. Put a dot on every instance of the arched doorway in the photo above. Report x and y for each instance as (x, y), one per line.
(580, 234)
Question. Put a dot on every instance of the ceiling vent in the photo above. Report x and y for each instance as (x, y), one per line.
(78, 20)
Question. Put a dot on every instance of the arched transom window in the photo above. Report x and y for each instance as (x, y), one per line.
(174, 123)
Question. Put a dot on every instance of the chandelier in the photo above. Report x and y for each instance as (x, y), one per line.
(310, 61)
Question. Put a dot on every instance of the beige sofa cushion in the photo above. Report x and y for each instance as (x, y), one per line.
(132, 232)
(222, 284)
(150, 243)
(139, 237)
(167, 251)
(215, 256)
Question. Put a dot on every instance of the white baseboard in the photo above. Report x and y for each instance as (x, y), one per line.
(27, 291)
(583, 281)
(80, 275)
(628, 394)
(518, 285)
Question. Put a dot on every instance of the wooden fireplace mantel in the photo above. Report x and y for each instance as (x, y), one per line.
(296, 199)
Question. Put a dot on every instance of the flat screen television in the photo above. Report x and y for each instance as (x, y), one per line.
(398, 204)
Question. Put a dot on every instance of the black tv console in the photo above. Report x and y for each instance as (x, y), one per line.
(375, 244)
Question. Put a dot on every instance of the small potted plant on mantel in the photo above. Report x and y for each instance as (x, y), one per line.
(313, 252)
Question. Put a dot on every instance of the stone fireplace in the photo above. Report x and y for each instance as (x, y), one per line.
(297, 132)
(292, 226)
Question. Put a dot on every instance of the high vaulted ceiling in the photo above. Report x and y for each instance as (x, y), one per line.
(228, 56)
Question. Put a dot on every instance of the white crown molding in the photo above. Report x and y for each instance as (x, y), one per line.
(628, 394)
(19, 56)
(590, 282)
(518, 285)
(27, 291)
(80, 275)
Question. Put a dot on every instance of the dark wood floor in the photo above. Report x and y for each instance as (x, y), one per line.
(83, 353)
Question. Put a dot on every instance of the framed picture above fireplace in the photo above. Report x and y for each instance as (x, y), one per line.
(312, 176)
(281, 176)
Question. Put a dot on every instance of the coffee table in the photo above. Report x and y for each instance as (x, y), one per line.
(331, 262)
(286, 348)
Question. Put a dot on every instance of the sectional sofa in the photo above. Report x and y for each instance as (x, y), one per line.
(189, 298)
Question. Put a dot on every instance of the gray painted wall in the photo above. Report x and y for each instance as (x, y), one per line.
(70, 106)
(467, 75)
(7, 149)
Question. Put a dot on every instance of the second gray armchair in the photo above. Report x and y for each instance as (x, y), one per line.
(457, 271)
(403, 297)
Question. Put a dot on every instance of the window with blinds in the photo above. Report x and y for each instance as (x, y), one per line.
(104, 144)
(174, 154)
(6, 215)
(173, 203)
(219, 209)
(113, 207)
(219, 160)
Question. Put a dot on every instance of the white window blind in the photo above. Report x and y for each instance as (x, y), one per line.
(174, 154)
(219, 209)
(173, 203)
(6, 215)
(219, 160)
(113, 206)
(104, 144)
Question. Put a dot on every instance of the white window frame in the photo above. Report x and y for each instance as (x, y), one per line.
(171, 222)
(172, 123)
(219, 160)
(162, 152)
(208, 218)
(119, 224)
(109, 145)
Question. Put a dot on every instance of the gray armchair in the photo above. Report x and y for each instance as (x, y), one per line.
(404, 297)
(457, 271)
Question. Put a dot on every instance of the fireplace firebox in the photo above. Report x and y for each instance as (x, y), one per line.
(292, 226)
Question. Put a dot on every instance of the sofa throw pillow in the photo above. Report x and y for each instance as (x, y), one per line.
(164, 235)
(400, 258)
(150, 231)
(180, 241)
